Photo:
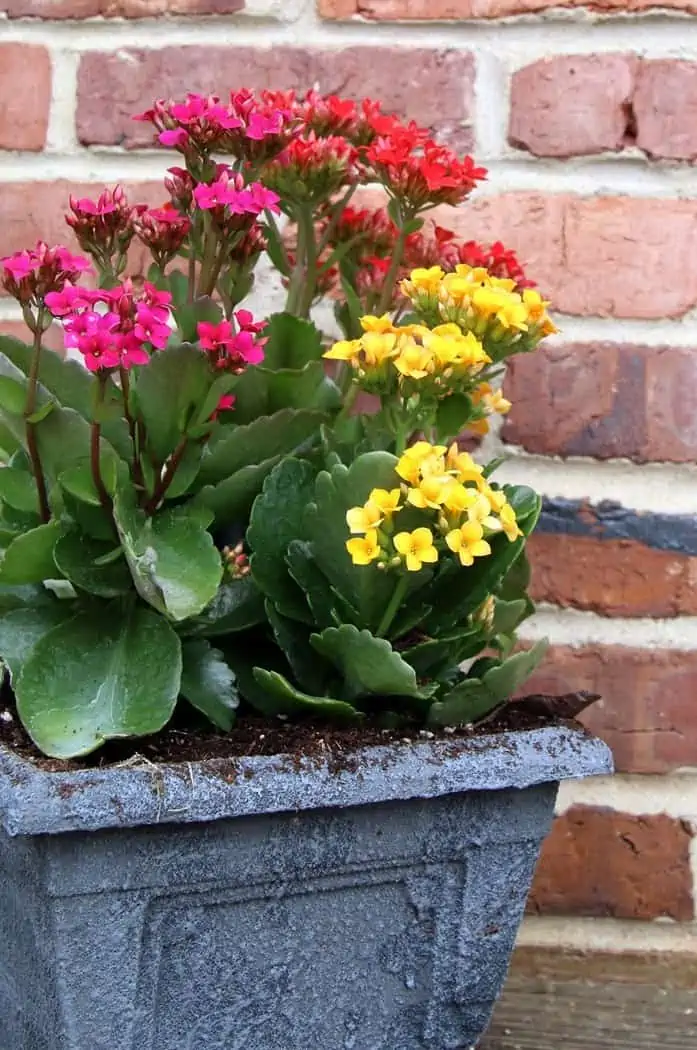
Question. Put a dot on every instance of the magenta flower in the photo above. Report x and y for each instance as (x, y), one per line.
(132, 351)
(31, 275)
(18, 266)
(262, 124)
(148, 329)
(215, 337)
(174, 137)
(100, 348)
(247, 348)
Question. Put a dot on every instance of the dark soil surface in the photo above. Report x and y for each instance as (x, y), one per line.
(181, 741)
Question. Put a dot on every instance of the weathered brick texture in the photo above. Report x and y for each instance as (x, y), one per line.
(77, 9)
(115, 86)
(598, 862)
(447, 10)
(25, 96)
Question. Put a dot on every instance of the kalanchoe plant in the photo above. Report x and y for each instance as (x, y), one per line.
(191, 509)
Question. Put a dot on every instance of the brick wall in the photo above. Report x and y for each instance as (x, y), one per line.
(587, 120)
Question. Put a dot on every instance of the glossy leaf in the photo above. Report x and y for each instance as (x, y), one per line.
(285, 699)
(208, 683)
(232, 499)
(169, 392)
(237, 606)
(77, 557)
(292, 342)
(293, 639)
(112, 671)
(21, 629)
(18, 490)
(314, 584)
(239, 446)
(29, 558)
(368, 665)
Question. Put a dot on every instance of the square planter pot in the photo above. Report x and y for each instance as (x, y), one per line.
(363, 903)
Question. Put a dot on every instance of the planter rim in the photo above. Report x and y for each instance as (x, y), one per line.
(34, 801)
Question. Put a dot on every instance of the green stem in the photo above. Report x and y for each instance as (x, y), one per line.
(191, 281)
(385, 299)
(307, 291)
(210, 244)
(295, 286)
(29, 410)
(167, 477)
(136, 468)
(334, 217)
(349, 400)
(95, 433)
(394, 604)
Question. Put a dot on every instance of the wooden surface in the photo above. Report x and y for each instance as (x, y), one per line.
(570, 1001)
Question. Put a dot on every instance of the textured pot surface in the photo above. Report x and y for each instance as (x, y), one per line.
(272, 903)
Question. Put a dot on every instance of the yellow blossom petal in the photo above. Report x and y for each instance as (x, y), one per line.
(344, 350)
(416, 548)
(387, 501)
(370, 323)
(364, 549)
(363, 519)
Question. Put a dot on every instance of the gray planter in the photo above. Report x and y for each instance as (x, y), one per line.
(266, 904)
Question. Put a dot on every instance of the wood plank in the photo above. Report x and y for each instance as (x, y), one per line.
(556, 1000)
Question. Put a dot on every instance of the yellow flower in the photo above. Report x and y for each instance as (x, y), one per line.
(480, 511)
(537, 311)
(409, 465)
(507, 307)
(492, 399)
(468, 542)
(344, 350)
(464, 466)
(416, 548)
(387, 501)
(429, 492)
(370, 323)
(414, 361)
(496, 498)
(456, 498)
(378, 347)
(424, 281)
(364, 549)
(509, 522)
(363, 519)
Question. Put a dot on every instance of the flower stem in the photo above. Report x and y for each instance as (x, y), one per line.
(95, 433)
(307, 291)
(391, 278)
(30, 428)
(167, 477)
(394, 604)
(205, 285)
(295, 285)
(136, 470)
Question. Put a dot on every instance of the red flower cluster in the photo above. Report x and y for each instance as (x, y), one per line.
(312, 169)
(122, 332)
(498, 260)
(418, 172)
(233, 347)
(28, 276)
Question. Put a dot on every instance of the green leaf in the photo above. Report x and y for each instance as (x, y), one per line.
(464, 705)
(18, 489)
(237, 606)
(526, 504)
(13, 395)
(64, 441)
(42, 412)
(29, 558)
(507, 615)
(307, 387)
(434, 655)
(366, 588)
(169, 391)
(78, 481)
(452, 415)
(221, 386)
(285, 699)
(369, 665)
(93, 521)
(208, 683)
(232, 499)
(505, 679)
(21, 629)
(71, 385)
(187, 472)
(292, 342)
(275, 249)
(293, 639)
(277, 519)
(109, 672)
(173, 561)
(318, 593)
(77, 556)
(188, 315)
(266, 437)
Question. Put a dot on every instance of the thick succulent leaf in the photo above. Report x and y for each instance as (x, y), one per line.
(21, 629)
(507, 615)
(169, 392)
(77, 555)
(232, 499)
(18, 490)
(285, 699)
(208, 683)
(465, 704)
(29, 557)
(366, 588)
(292, 342)
(72, 386)
(368, 665)
(173, 560)
(452, 415)
(527, 505)
(112, 671)
(237, 606)
(507, 677)
(293, 639)
(240, 446)
(434, 655)
(277, 519)
(315, 586)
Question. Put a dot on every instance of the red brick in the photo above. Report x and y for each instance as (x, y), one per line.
(53, 338)
(25, 96)
(665, 107)
(572, 104)
(454, 10)
(77, 9)
(111, 88)
(35, 211)
(615, 577)
(605, 400)
(597, 862)
(647, 713)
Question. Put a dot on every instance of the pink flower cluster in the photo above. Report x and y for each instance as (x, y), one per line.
(233, 347)
(29, 275)
(230, 191)
(164, 230)
(249, 127)
(106, 226)
(114, 328)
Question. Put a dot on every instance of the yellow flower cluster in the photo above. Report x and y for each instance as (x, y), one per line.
(413, 351)
(479, 303)
(448, 485)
